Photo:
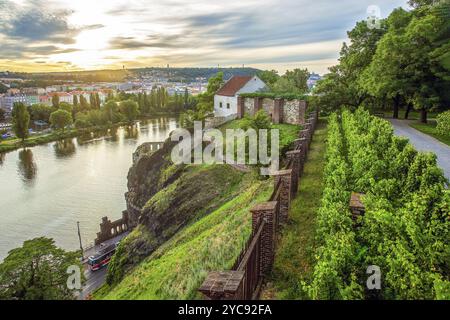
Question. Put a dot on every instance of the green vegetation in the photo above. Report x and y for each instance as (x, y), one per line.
(60, 119)
(205, 231)
(177, 268)
(288, 132)
(403, 63)
(20, 120)
(443, 124)
(430, 129)
(292, 84)
(406, 227)
(274, 95)
(37, 271)
(294, 255)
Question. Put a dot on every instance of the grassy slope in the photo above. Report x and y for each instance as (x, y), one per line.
(294, 254)
(430, 129)
(177, 269)
(288, 132)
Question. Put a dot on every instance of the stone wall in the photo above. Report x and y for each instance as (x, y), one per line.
(244, 281)
(280, 110)
(249, 106)
(110, 229)
(268, 106)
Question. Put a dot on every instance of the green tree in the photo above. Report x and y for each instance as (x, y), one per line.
(66, 106)
(186, 98)
(2, 114)
(37, 271)
(269, 77)
(60, 119)
(40, 112)
(97, 100)
(130, 109)
(83, 103)
(206, 100)
(111, 110)
(20, 120)
(75, 100)
(55, 101)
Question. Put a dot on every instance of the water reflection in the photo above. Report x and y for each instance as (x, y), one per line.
(131, 132)
(26, 166)
(64, 148)
(46, 189)
(114, 134)
(2, 158)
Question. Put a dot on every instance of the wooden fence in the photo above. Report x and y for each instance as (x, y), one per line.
(244, 280)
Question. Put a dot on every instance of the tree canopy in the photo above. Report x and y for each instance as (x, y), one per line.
(37, 271)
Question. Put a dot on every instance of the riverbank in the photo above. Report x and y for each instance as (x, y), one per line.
(12, 144)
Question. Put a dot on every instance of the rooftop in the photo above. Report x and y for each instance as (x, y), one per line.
(232, 86)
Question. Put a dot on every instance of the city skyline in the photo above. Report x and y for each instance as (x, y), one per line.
(66, 35)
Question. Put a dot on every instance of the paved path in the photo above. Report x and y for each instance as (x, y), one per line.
(424, 142)
(95, 279)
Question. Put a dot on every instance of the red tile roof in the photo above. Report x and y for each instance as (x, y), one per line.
(232, 86)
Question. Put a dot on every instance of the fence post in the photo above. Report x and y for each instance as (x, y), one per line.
(240, 107)
(302, 111)
(295, 157)
(285, 176)
(266, 211)
(302, 145)
(277, 116)
(257, 104)
(223, 285)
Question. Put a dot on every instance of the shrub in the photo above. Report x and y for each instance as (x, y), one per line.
(443, 123)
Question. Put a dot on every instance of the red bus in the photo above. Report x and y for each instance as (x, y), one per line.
(102, 258)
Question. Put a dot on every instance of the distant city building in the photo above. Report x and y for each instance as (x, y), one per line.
(225, 100)
(312, 81)
(7, 102)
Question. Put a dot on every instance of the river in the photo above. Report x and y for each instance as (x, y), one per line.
(46, 189)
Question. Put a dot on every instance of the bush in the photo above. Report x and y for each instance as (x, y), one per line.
(443, 126)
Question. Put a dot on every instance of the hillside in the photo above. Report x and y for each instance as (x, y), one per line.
(196, 223)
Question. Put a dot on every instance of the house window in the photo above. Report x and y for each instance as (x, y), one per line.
(228, 106)
(221, 105)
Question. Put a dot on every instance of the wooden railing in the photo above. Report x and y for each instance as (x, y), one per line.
(244, 280)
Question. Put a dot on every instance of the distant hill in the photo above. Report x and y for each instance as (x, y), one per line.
(171, 74)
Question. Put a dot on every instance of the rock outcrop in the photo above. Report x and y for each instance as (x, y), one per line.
(163, 198)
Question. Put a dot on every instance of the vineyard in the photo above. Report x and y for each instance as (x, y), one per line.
(405, 230)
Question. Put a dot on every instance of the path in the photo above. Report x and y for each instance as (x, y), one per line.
(95, 279)
(295, 247)
(424, 142)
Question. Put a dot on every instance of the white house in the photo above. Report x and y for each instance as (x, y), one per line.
(225, 100)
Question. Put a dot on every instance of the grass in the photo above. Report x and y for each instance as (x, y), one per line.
(177, 269)
(295, 247)
(430, 129)
(413, 114)
(212, 242)
(288, 132)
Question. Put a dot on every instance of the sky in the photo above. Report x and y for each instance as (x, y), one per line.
(64, 35)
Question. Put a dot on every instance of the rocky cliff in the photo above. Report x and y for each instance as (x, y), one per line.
(163, 198)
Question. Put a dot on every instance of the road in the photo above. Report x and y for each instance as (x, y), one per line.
(95, 279)
(424, 142)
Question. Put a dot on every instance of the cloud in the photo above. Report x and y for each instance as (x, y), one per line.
(34, 23)
(195, 32)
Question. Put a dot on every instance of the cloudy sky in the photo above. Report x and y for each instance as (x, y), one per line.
(60, 35)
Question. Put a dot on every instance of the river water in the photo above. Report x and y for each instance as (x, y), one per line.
(45, 190)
